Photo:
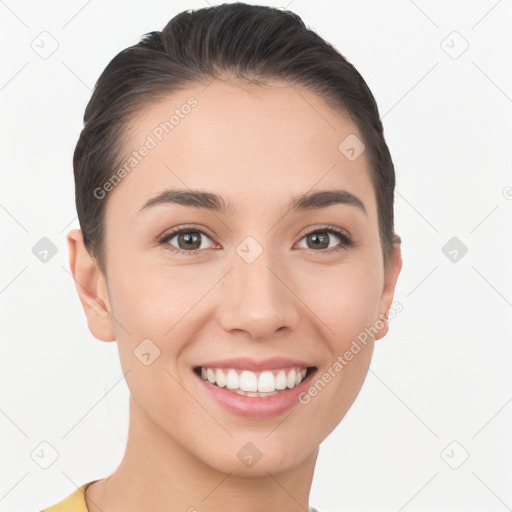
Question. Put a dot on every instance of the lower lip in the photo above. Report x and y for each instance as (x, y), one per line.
(257, 407)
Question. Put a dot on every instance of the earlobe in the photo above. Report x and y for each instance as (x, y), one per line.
(91, 287)
(388, 291)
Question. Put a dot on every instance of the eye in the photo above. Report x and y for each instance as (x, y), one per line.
(321, 237)
(188, 240)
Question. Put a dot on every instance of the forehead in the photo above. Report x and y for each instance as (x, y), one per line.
(242, 140)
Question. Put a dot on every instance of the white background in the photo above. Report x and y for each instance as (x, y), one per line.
(442, 374)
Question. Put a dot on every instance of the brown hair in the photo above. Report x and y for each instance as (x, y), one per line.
(248, 42)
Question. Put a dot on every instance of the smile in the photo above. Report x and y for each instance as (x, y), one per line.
(253, 384)
(255, 390)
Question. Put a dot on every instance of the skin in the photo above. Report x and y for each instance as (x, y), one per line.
(258, 147)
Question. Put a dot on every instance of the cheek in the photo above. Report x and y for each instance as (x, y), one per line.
(153, 308)
(158, 310)
(152, 301)
(349, 307)
(345, 299)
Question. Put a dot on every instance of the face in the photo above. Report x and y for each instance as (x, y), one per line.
(248, 292)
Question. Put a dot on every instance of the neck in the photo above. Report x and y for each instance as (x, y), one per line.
(158, 474)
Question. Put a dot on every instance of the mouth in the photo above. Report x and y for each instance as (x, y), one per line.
(255, 384)
(255, 389)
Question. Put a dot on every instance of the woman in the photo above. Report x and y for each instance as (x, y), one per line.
(235, 198)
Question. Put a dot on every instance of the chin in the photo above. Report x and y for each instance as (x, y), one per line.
(257, 457)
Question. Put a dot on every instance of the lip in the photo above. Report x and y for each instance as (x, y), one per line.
(245, 363)
(257, 407)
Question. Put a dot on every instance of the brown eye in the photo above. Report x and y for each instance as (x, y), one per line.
(320, 240)
(188, 241)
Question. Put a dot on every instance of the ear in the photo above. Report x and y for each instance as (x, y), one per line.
(91, 287)
(388, 291)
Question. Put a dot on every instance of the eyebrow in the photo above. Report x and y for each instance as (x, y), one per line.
(214, 202)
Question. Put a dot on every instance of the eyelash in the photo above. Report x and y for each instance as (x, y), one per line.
(345, 239)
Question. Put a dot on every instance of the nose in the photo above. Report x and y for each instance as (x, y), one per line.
(257, 298)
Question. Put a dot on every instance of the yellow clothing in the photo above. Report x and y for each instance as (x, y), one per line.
(75, 502)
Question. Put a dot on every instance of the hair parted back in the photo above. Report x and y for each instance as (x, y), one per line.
(247, 42)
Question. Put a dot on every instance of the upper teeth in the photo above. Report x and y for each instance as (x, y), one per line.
(245, 380)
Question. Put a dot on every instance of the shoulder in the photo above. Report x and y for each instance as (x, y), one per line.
(75, 502)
